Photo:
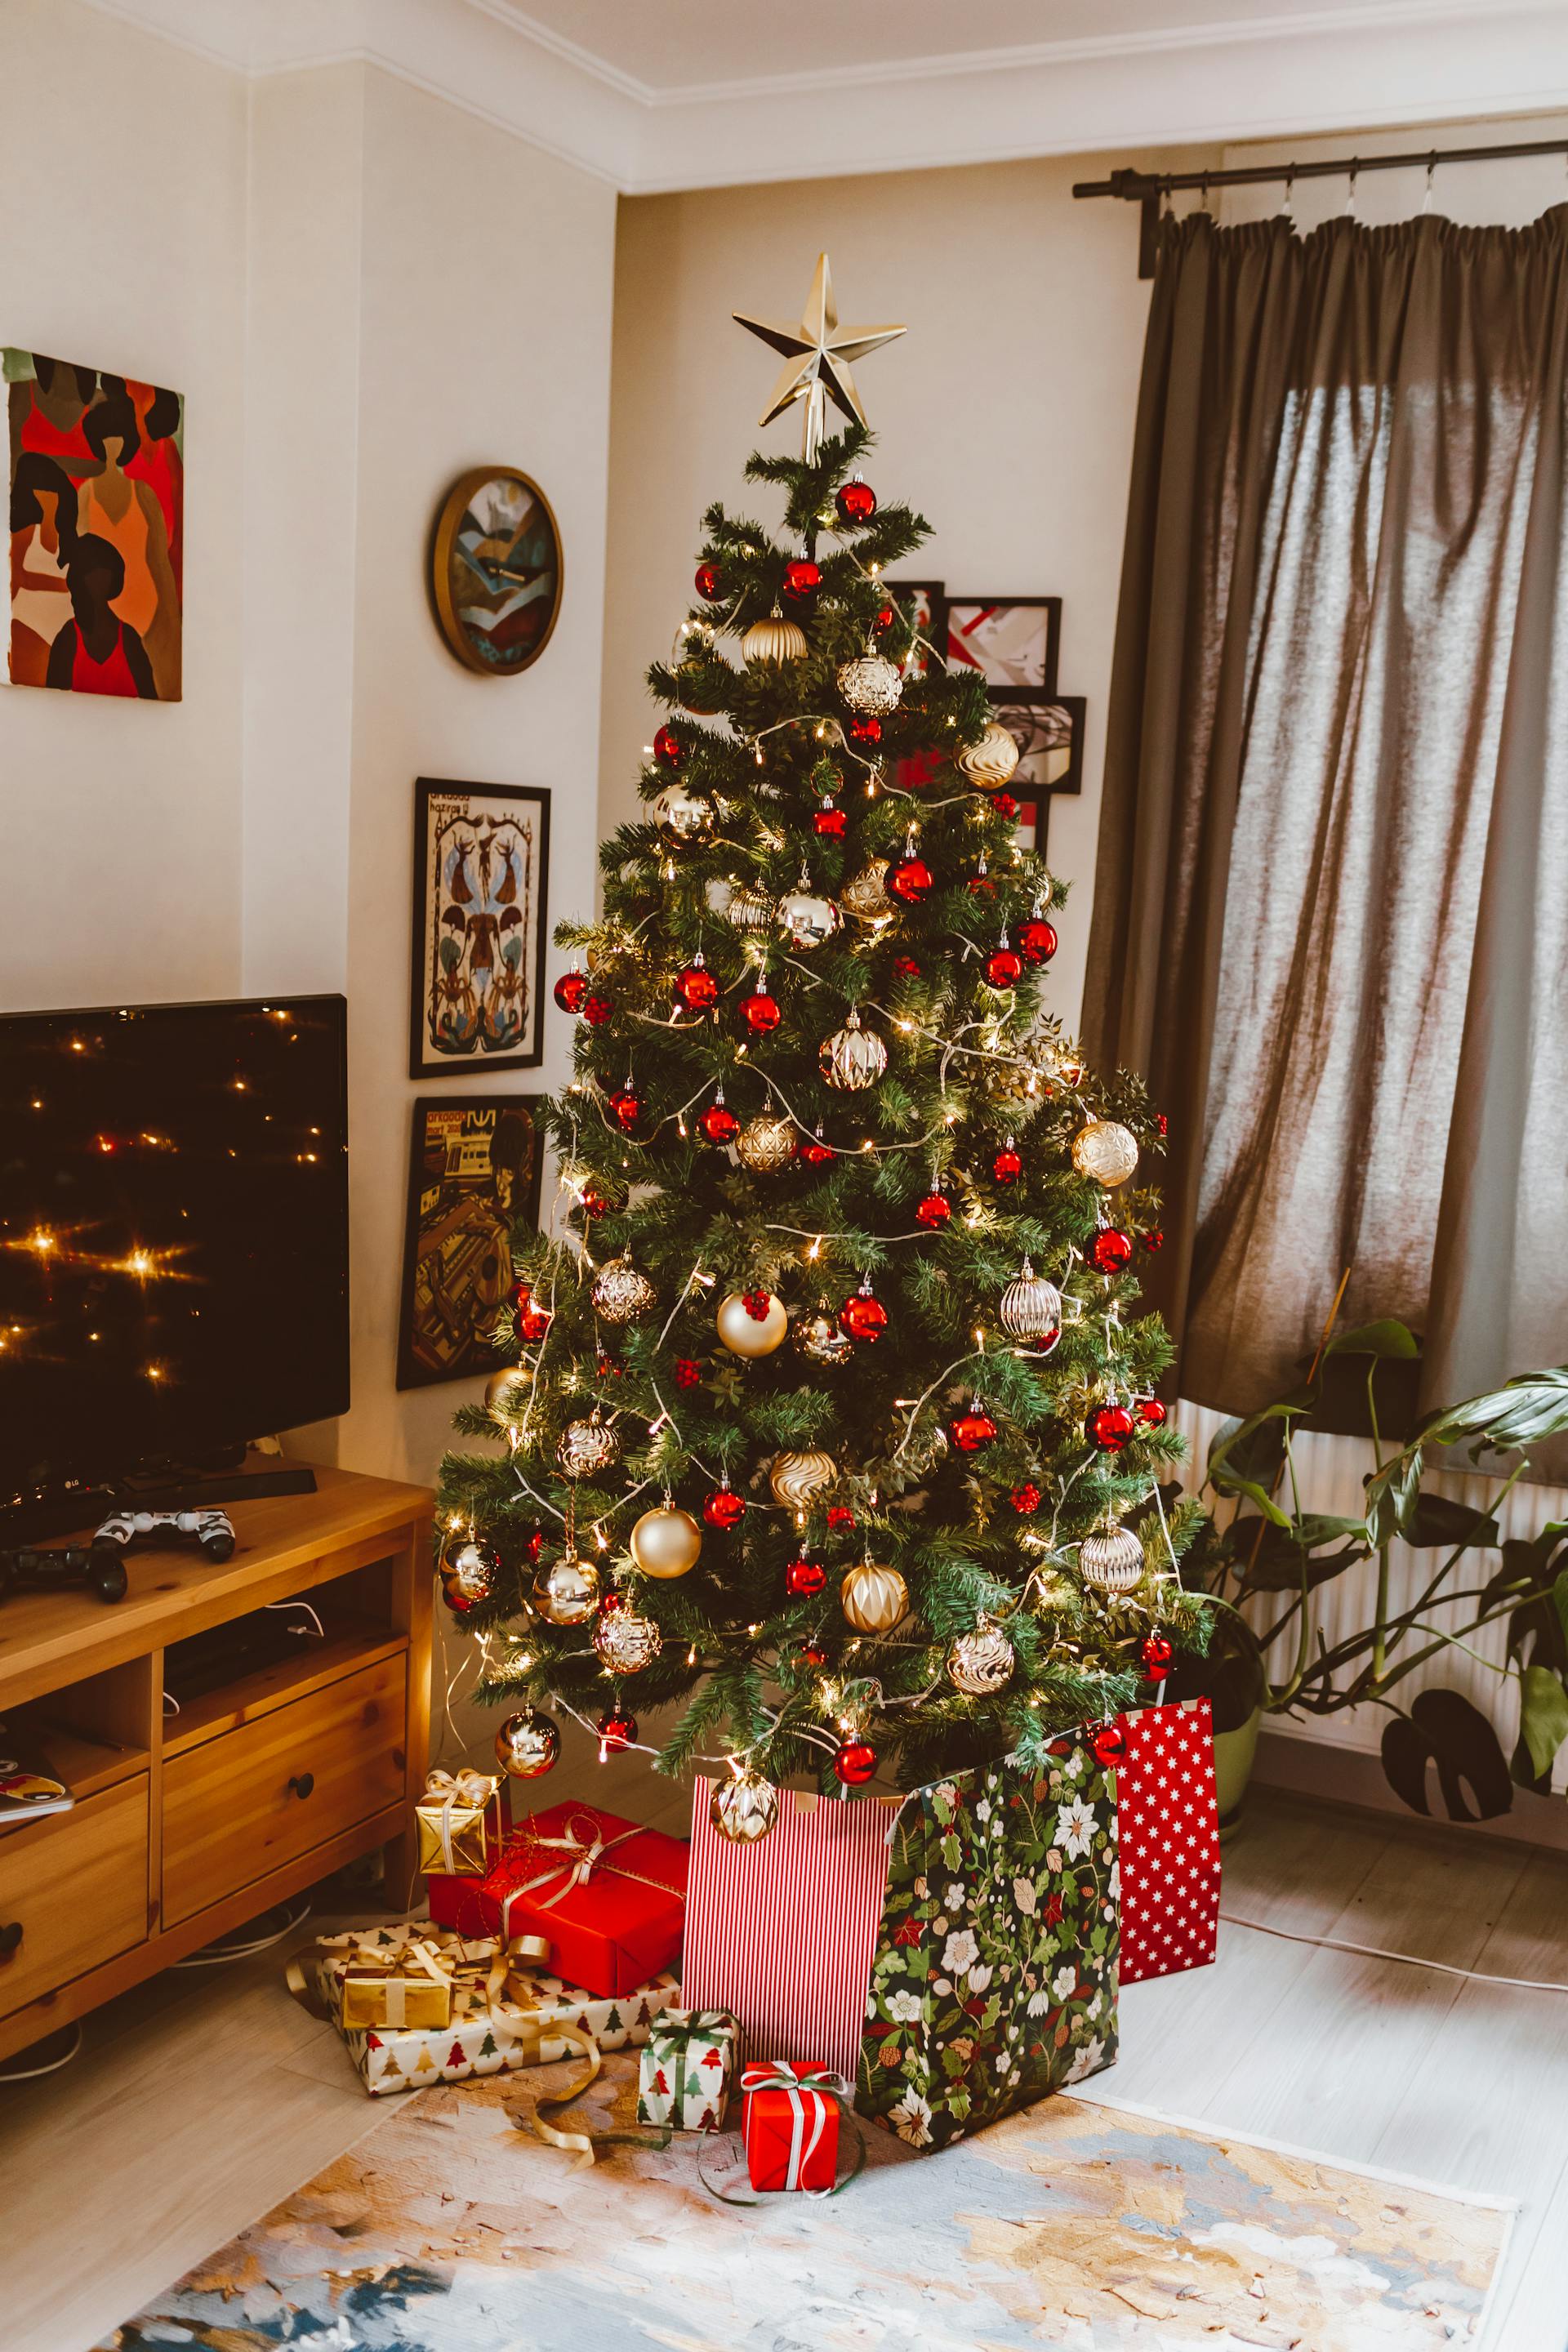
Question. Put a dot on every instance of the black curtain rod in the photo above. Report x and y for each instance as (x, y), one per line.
(1148, 188)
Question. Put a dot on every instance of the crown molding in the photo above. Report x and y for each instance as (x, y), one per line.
(1322, 72)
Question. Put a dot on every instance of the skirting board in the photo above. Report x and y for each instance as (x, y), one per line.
(1321, 1768)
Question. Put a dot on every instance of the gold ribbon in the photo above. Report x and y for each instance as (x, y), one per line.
(482, 1972)
(585, 1855)
(582, 2145)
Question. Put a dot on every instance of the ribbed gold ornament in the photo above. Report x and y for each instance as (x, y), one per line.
(666, 1542)
(774, 639)
(992, 761)
(1111, 1559)
(795, 1478)
(745, 1334)
(749, 910)
(980, 1664)
(1106, 1152)
(874, 1599)
(1031, 1307)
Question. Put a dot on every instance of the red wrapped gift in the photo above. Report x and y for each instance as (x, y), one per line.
(791, 2125)
(1169, 1840)
(607, 1895)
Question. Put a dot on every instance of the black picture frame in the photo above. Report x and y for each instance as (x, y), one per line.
(466, 1209)
(935, 629)
(1010, 665)
(517, 818)
(1041, 774)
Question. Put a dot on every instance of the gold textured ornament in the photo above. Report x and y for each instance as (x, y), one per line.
(1031, 1307)
(818, 1337)
(992, 761)
(806, 919)
(748, 909)
(586, 1447)
(527, 1744)
(743, 1808)
(872, 686)
(627, 1641)
(853, 1058)
(1111, 1559)
(666, 1542)
(980, 1664)
(874, 1599)
(745, 1334)
(680, 817)
(507, 1392)
(567, 1593)
(767, 1143)
(1106, 1152)
(623, 1293)
(774, 639)
(817, 359)
(795, 1478)
(866, 897)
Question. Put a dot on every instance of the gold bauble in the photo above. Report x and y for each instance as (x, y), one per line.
(806, 919)
(507, 1393)
(680, 817)
(992, 761)
(774, 639)
(749, 910)
(743, 1808)
(795, 1478)
(874, 1599)
(980, 1664)
(1111, 1559)
(767, 1143)
(666, 1542)
(586, 1447)
(527, 1745)
(853, 1058)
(623, 1293)
(745, 1334)
(866, 897)
(872, 686)
(567, 1593)
(818, 1337)
(627, 1641)
(1106, 1152)
(1031, 1307)
(471, 1571)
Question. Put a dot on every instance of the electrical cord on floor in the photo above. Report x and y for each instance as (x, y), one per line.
(50, 2067)
(1375, 1952)
(212, 1956)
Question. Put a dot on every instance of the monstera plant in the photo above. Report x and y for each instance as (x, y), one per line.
(1278, 1556)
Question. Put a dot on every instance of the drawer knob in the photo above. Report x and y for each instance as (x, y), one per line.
(10, 1939)
(302, 1783)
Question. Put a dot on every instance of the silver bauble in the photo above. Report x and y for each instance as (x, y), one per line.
(623, 1293)
(806, 920)
(874, 1599)
(745, 1334)
(1106, 1152)
(527, 1744)
(586, 1447)
(626, 1641)
(743, 1808)
(853, 1058)
(767, 1143)
(1031, 1307)
(680, 817)
(471, 1571)
(567, 1593)
(1111, 1559)
(980, 1664)
(774, 639)
(666, 1542)
(866, 897)
(992, 761)
(507, 1393)
(872, 686)
(795, 1478)
(747, 909)
(818, 1337)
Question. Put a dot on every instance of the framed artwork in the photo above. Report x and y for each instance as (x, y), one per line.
(481, 862)
(473, 1174)
(1013, 641)
(1049, 736)
(96, 475)
(924, 602)
(495, 570)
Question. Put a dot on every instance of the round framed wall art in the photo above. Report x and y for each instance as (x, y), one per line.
(495, 570)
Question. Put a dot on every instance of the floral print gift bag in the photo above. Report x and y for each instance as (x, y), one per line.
(994, 1977)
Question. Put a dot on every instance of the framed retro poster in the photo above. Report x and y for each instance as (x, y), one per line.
(481, 864)
(473, 1176)
(1012, 641)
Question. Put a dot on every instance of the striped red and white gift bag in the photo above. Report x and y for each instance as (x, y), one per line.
(782, 1933)
(1168, 1838)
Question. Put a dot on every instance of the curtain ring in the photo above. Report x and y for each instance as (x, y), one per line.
(1350, 190)
(1288, 207)
(1431, 175)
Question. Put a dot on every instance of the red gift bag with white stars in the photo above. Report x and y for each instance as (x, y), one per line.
(1168, 1839)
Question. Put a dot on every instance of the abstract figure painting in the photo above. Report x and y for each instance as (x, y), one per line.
(96, 494)
(474, 1174)
(1011, 640)
(495, 571)
(481, 856)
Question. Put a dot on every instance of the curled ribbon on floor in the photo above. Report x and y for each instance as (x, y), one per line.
(582, 2145)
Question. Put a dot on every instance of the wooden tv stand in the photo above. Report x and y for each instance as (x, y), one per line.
(188, 1824)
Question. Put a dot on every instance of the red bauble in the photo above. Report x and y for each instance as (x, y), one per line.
(1110, 1427)
(863, 1316)
(810, 1654)
(696, 987)
(839, 1515)
(802, 579)
(761, 1012)
(974, 1430)
(533, 1323)
(570, 990)
(1004, 966)
(866, 730)
(1025, 1498)
(981, 886)
(1037, 940)
(855, 1763)
(1003, 803)
(1152, 1413)
(804, 1577)
(594, 1203)
(628, 1107)
(816, 1154)
(719, 1123)
(1007, 1167)
(710, 582)
(906, 967)
(597, 1010)
(1109, 1742)
(829, 821)
(609, 1367)
(911, 879)
(521, 1292)
(667, 746)
(688, 1371)
(535, 1546)
(725, 1508)
(886, 615)
(1154, 1241)
(933, 1211)
(855, 502)
(1157, 1654)
(617, 1730)
(457, 1601)
(1109, 1251)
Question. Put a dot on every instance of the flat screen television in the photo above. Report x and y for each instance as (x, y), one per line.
(173, 1235)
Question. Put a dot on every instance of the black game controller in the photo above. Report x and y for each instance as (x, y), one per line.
(214, 1530)
(80, 1567)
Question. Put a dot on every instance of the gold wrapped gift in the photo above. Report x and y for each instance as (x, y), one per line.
(408, 1988)
(459, 1823)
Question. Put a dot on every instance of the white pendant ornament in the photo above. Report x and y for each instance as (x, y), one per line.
(866, 897)
(586, 1447)
(874, 1599)
(680, 817)
(767, 1143)
(872, 686)
(806, 919)
(567, 1593)
(774, 639)
(1111, 1559)
(981, 1663)
(794, 1479)
(666, 1542)
(990, 762)
(743, 1808)
(1105, 1150)
(819, 1338)
(623, 1293)
(747, 1333)
(527, 1744)
(627, 1641)
(1031, 1307)
(853, 1058)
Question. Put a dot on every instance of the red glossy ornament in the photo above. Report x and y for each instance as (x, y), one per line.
(617, 1730)
(610, 1601)
(906, 967)
(829, 821)
(521, 1292)
(761, 1012)
(1025, 1498)
(839, 1515)
(1037, 940)
(1007, 1166)
(628, 1107)
(886, 615)
(802, 579)
(1110, 1427)
(597, 1010)
(855, 1763)
(1109, 1251)
(1154, 1241)
(533, 1323)
(710, 582)
(810, 1654)
(668, 747)
(609, 1367)
(1157, 1654)
(570, 990)
(688, 1371)
(1152, 1413)
(911, 879)
(696, 987)
(981, 886)
(855, 502)
(866, 730)
(1004, 966)
(1109, 1742)
(816, 1154)
(863, 1316)
(719, 1123)
(804, 1577)
(974, 1430)
(933, 1212)
(535, 1545)
(725, 1508)
(594, 1203)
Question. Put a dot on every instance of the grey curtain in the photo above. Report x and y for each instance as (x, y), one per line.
(1330, 916)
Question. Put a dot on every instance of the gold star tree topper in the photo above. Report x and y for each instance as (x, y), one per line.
(817, 356)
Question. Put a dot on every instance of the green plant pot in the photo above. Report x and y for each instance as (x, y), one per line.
(1231, 1678)
(1233, 1756)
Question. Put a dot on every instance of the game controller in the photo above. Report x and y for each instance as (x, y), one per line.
(214, 1530)
(24, 1568)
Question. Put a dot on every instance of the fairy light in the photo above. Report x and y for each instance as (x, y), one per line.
(815, 1249)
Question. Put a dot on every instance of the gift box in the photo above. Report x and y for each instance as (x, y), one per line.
(525, 2022)
(1169, 1816)
(459, 1823)
(790, 2122)
(608, 1896)
(683, 2079)
(408, 1984)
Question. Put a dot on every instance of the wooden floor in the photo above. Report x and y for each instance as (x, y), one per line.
(201, 2099)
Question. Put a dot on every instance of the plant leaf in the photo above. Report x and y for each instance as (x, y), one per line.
(1445, 1729)
(1438, 1519)
(1543, 1716)
(1387, 1337)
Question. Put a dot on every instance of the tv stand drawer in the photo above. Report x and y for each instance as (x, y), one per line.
(252, 1799)
(75, 1885)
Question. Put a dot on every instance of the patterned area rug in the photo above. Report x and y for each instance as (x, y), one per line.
(1070, 2228)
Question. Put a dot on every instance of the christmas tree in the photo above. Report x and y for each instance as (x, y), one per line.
(831, 1422)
